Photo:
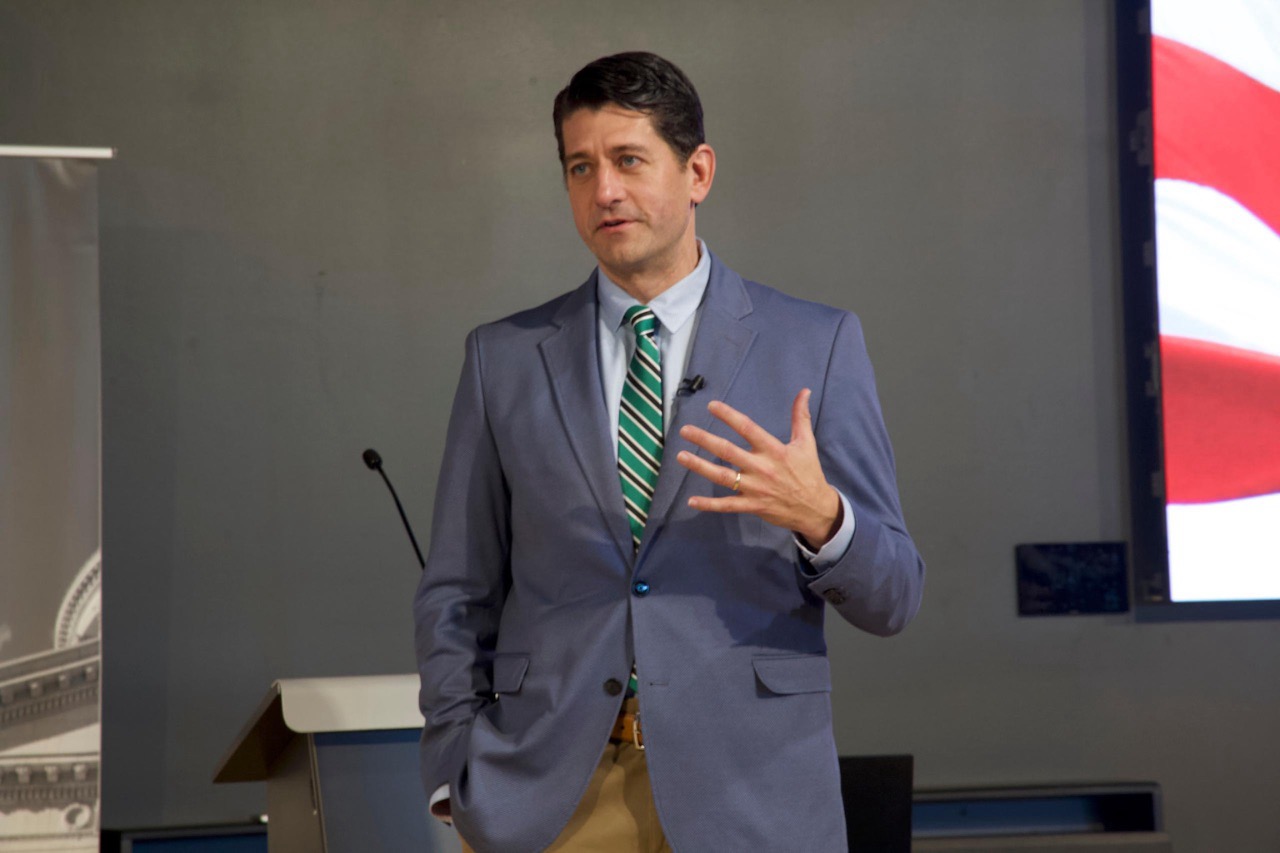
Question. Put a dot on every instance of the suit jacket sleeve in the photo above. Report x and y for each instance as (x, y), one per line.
(878, 582)
(459, 598)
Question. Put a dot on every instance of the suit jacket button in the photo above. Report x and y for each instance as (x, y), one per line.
(640, 588)
(613, 687)
(835, 596)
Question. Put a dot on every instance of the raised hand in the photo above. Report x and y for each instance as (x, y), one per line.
(781, 483)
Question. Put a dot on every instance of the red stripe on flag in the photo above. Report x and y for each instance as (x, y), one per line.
(1221, 421)
(1216, 126)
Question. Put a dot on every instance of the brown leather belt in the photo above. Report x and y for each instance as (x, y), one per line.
(627, 728)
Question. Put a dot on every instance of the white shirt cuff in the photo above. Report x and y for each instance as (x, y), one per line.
(830, 553)
(440, 795)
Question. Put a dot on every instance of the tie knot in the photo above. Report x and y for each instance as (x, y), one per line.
(642, 319)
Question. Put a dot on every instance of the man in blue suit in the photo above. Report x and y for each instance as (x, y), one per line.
(618, 654)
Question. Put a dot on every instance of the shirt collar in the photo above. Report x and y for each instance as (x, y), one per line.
(673, 307)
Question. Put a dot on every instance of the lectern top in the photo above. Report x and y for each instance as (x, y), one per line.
(305, 705)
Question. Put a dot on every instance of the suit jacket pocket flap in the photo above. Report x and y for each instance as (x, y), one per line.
(508, 672)
(794, 673)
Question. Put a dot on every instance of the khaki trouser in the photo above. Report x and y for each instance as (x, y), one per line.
(616, 813)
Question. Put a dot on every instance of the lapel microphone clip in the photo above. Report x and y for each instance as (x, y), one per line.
(690, 386)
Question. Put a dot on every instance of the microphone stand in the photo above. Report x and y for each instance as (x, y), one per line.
(374, 462)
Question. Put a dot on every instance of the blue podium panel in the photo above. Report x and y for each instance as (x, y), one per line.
(244, 843)
(213, 838)
(371, 796)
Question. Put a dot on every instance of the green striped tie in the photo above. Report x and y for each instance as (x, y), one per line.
(640, 421)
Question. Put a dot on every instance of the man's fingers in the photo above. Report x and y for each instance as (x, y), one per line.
(733, 503)
(722, 448)
(757, 436)
(801, 419)
(718, 474)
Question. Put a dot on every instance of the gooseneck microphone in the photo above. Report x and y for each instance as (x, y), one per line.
(691, 385)
(374, 461)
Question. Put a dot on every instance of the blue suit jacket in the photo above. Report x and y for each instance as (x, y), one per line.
(527, 591)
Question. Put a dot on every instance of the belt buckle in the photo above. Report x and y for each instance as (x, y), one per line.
(635, 733)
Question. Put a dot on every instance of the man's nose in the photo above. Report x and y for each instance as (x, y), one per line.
(609, 188)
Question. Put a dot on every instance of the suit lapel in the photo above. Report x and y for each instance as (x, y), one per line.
(720, 345)
(571, 356)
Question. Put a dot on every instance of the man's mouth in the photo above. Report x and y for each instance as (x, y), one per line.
(612, 224)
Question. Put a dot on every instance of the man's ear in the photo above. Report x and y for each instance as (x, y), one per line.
(702, 165)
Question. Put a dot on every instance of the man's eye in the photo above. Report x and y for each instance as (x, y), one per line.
(578, 169)
(629, 160)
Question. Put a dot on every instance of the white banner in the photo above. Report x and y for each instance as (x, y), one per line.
(50, 497)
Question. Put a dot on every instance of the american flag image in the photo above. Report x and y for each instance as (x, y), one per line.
(1216, 119)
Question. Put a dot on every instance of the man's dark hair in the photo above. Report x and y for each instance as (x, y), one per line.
(644, 82)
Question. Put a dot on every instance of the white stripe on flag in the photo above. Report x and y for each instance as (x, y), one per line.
(1224, 551)
(1219, 269)
(1243, 33)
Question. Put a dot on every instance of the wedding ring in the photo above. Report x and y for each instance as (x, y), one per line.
(737, 481)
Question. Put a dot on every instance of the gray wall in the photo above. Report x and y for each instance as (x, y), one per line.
(314, 201)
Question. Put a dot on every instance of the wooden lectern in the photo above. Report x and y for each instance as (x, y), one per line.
(340, 759)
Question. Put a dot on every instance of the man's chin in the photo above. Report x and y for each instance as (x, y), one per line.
(616, 257)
